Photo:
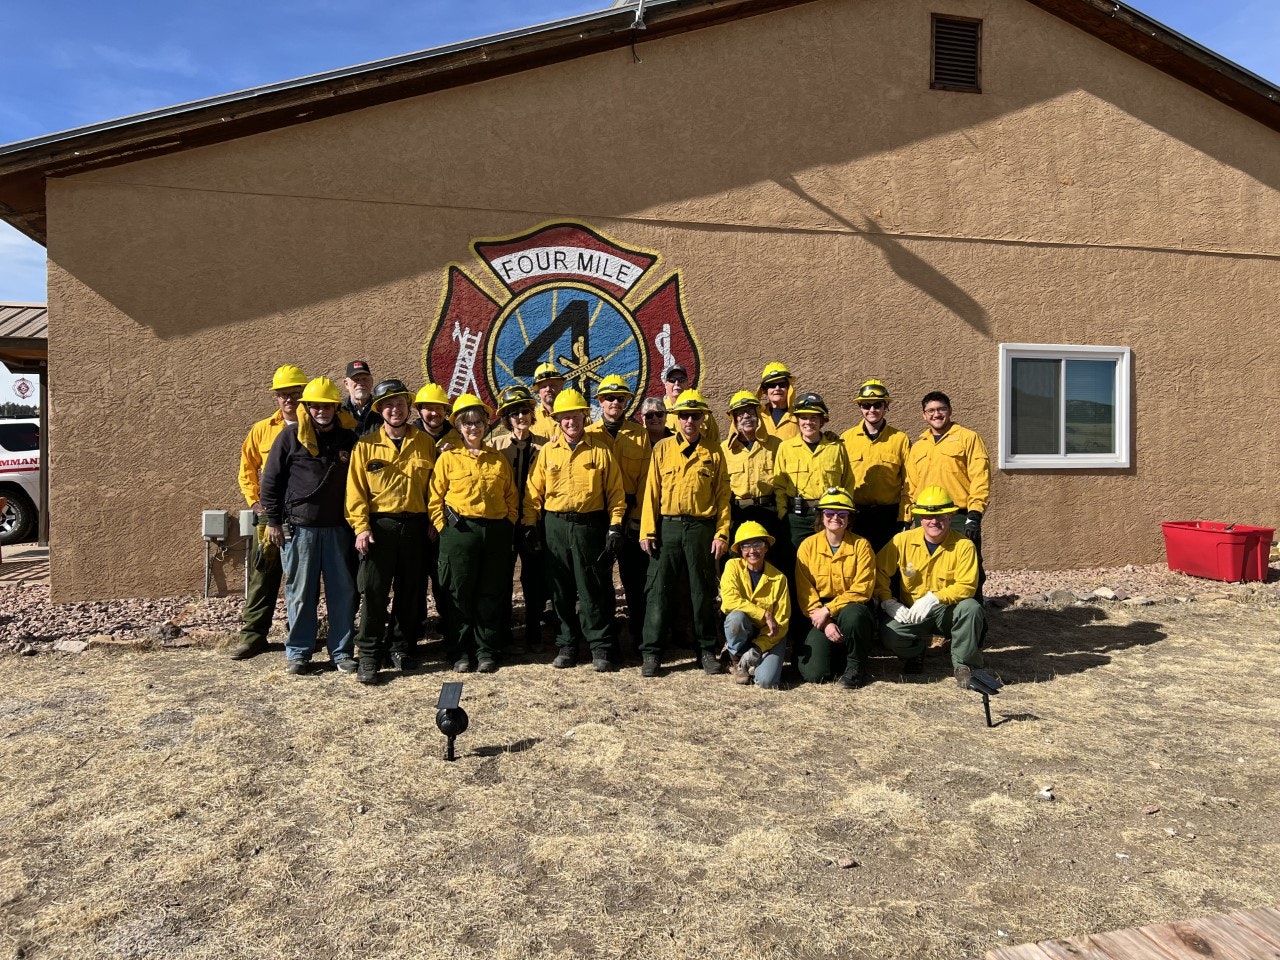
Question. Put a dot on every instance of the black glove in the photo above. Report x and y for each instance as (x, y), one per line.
(529, 537)
(612, 539)
(973, 526)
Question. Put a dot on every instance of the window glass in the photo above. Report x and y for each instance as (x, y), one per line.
(1091, 406)
(17, 437)
(1036, 406)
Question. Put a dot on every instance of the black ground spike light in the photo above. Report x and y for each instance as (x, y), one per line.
(451, 718)
(981, 681)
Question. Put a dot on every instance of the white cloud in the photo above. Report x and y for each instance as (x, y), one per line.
(22, 268)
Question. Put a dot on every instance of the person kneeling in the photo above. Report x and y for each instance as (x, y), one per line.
(835, 576)
(926, 579)
(753, 595)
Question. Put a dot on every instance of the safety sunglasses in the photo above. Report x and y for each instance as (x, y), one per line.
(878, 405)
(835, 514)
(689, 415)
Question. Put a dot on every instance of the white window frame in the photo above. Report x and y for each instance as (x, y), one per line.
(1064, 461)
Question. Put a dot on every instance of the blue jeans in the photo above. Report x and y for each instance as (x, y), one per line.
(739, 631)
(314, 552)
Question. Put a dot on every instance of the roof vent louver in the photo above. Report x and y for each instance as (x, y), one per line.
(957, 54)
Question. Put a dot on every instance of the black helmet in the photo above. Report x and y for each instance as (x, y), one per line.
(386, 389)
(810, 403)
(512, 397)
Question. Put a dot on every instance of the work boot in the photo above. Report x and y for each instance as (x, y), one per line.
(297, 668)
(462, 664)
(912, 666)
(567, 657)
(853, 677)
(246, 647)
(601, 663)
(963, 676)
(397, 660)
(487, 665)
(346, 665)
(368, 672)
(649, 666)
(741, 672)
(711, 664)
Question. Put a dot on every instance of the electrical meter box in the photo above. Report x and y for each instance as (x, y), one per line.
(215, 525)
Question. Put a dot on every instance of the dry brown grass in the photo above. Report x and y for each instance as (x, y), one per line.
(175, 804)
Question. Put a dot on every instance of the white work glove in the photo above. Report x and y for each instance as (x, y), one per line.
(921, 608)
(895, 609)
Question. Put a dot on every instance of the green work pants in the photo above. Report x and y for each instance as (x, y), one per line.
(393, 564)
(633, 568)
(581, 580)
(265, 576)
(684, 553)
(799, 528)
(475, 572)
(965, 624)
(821, 660)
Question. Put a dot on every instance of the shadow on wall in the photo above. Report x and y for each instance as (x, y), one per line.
(271, 235)
(1032, 645)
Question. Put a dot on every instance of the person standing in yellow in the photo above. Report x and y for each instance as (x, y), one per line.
(265, 570)
(684, 528)
(548, 381)
(753, 596)
(432, 405)
(954, 458)
(835, 577)
(927, 584)
(387, 508)
(575, 488)
(777, 395)
(806, 466)
(629, 442)
(750, 456)
(675, 380)
(474, 505)
(878, 457)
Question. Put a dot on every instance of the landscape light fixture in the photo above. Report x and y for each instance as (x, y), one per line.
(451, 718)
(988, 684)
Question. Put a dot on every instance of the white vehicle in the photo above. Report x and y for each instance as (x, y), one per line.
(19, 479)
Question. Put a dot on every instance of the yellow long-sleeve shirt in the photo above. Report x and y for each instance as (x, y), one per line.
(696, 485)
(834, 580)
(784, 429)
(382, 479)
(544, 424)
(799, 471)
(475, 484)
(632, 450)
(879, 467)
(750, 471)
(950, 573)
(581, 479)
(253, 455)
(769, 593)
(958, 463)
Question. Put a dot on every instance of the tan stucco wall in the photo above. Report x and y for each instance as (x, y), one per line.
(824, 206)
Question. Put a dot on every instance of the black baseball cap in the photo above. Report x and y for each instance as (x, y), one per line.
(357, 366)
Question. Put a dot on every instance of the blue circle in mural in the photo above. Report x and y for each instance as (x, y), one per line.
(583, 331)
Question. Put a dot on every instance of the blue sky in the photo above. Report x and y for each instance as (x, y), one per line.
(68, 64)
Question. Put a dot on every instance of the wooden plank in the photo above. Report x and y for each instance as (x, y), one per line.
(1129, 945)
(1028, 951)
(1210, 938)
(1074, 949)
(1264, 921)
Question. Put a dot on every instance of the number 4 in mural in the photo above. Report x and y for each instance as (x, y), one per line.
(575, 319)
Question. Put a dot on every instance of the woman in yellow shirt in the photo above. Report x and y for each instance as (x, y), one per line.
(753, 595)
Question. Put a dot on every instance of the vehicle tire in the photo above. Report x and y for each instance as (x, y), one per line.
(18, 522)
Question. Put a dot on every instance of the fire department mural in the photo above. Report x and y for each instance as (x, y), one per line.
(569, 295)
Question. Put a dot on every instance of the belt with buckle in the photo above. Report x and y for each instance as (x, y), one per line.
(755, 501)
(592, 516)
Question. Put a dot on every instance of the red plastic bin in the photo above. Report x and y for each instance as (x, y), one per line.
(1218, 551)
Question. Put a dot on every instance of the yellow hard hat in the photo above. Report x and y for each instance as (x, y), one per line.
(431, 393)
(743, 399)
(750, 530)
(321, 390)
(836, 498)
(468, 401)
(288, 376)
(546, 371)
(933, 502)
(612, 385)
(691, 400)
(873, 390)
(569, 401)
(774, 371)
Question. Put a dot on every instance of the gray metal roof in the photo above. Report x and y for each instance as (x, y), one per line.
(24, 321)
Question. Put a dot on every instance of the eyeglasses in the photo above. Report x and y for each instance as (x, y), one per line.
(689, 415)
(752, 545)
(289, 397)
(835, 514)
(521, 412)
(935, 411)
(878, 405)
(463, 424)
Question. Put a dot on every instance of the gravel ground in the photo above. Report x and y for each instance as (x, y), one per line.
(29, 623)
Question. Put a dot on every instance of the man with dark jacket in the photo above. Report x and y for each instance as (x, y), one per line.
(359, 399)
(304, 487)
